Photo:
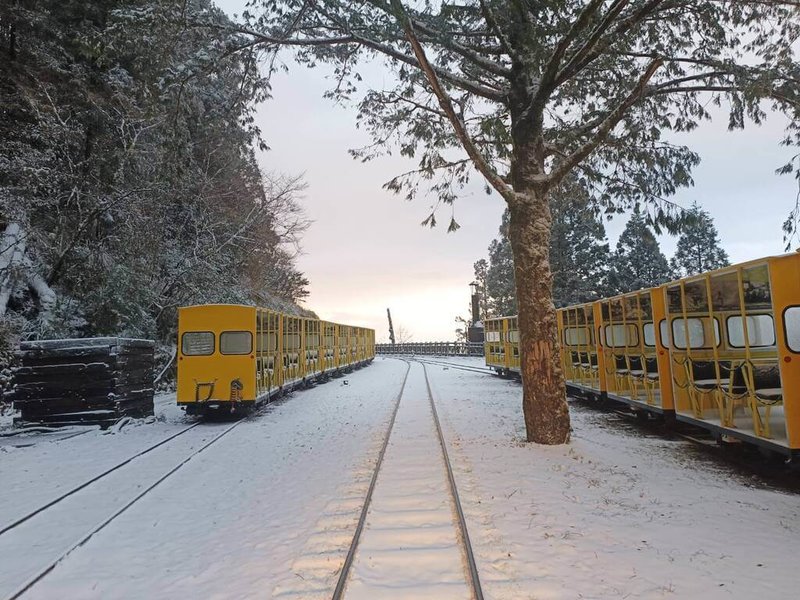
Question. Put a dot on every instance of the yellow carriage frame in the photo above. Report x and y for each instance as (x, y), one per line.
(636, 348)
(235, 355)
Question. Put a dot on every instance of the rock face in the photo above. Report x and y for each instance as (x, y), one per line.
(83, 381)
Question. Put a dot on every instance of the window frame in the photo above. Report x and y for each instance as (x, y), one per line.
(717, 331)
(213, 344)
(587, 336)
(250, 347)
(663, 327)
(786, 329)
(644, 335)
(626, 345)
(728, 331)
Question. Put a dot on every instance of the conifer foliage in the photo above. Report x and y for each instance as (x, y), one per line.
(579, 254)
(128, 181)
(637, 261)
(500, 286)
(699, 249)
(481, 270)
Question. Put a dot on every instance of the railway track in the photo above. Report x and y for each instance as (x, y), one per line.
(351, 552)
(407, 527)
(475, 580)
(16, 523)
(427, 361)
(33, 518)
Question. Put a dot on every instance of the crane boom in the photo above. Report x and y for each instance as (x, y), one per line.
(391, 327)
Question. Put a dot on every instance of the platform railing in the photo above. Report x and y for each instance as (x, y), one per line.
(431, 348)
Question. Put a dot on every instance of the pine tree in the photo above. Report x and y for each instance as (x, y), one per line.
(128, 180)
(500, 287)
(637, 262)
(481, 269)
(579, 252)
(529, 92)
(699, 248)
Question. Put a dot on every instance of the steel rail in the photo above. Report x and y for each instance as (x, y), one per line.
(344, 574)
(482, 371)
(33, 513)
(475, 580)
(49, 568)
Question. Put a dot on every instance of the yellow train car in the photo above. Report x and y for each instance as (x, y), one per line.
(734, 345)
(633, 355)
(720, 350)
(501, 344)
(233, 356)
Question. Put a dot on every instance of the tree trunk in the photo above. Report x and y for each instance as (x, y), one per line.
(544, 401)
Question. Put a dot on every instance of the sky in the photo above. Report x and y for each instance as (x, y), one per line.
(366, 250)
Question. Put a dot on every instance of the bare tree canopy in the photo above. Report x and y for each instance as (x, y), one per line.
(527, 92)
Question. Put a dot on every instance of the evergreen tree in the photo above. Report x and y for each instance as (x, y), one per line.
(481, 269)
(699, 248)
(637, 262)
(579, 253)
(500, 287)
(128, 180)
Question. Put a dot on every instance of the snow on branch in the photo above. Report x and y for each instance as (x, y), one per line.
(566, 165)
(16, 267)
(446, 104)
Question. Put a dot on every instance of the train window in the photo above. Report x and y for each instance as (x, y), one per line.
(697, 337)
(649, 334)
(269, 342)
(513, 336)
(760, 331)
(791, 324)
(662, 326)
(576, 336)
(236, 342)
(197, 343)
(291, 341)
(492, 336)
(621, 336)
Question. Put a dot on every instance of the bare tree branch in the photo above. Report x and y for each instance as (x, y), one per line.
(596, 43)
(355, 38)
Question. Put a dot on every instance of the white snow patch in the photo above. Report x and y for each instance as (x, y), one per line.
(615, 514)
(230, 524)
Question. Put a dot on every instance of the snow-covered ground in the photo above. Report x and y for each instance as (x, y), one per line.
(234, 521)
(269, 510)
(410, 546)
(616, 514)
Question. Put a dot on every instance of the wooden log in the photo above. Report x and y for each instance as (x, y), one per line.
(84, 380)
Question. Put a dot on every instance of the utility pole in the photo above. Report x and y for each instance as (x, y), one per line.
(391, 328)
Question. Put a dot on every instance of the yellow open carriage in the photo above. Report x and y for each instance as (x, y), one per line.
(720, 350)
(233, 355)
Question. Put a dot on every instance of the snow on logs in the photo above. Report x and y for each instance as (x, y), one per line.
(93, 381)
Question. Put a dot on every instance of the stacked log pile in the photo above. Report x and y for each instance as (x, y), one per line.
(81, 382)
